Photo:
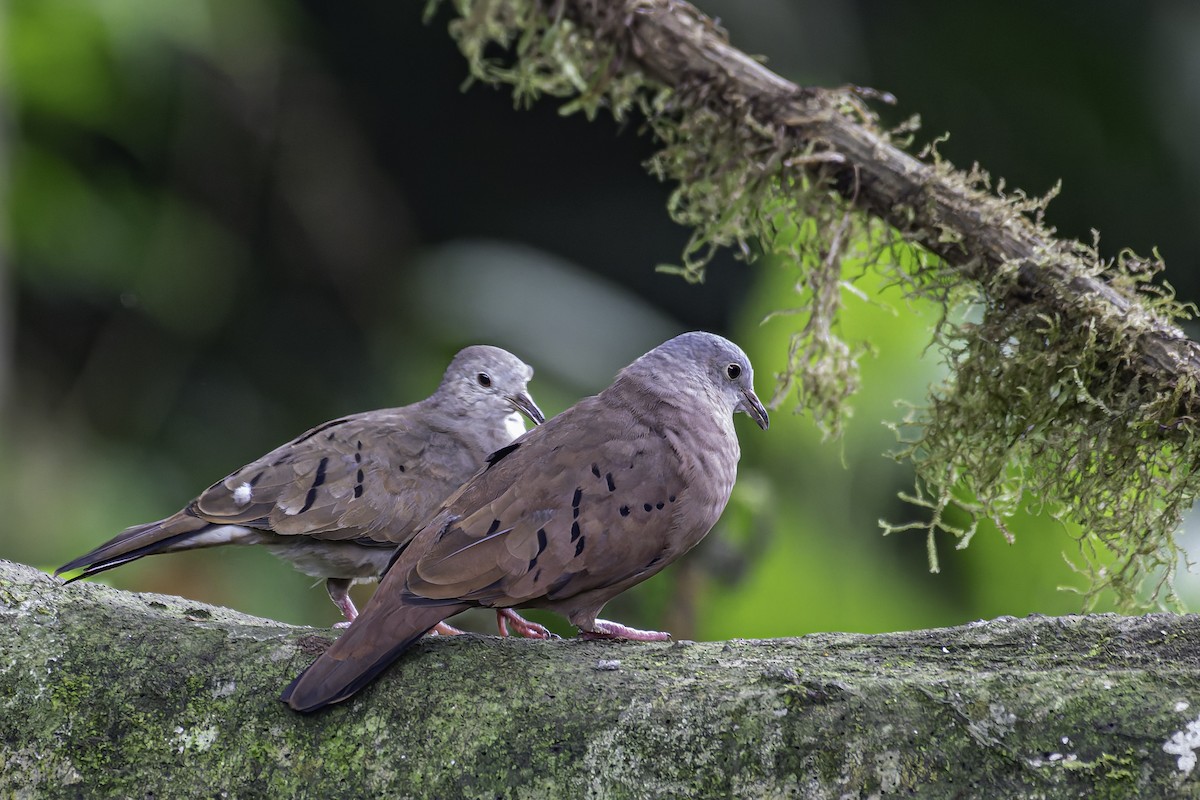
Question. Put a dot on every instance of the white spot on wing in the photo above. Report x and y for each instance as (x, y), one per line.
(241, 495)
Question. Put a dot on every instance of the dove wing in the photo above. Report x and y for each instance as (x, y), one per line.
(603, 508)
(371, 476)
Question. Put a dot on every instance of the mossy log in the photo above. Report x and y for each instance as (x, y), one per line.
(106, 693)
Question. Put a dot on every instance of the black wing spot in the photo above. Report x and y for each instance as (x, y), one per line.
(495, 527)
(541, 540)
(612, 487)
(358, 443)
(537, 576)
(500, 454)
(311, 497)
(671, 499)
(358, 491)
(320, 429)
(578, 496)
(329, 437)
(360, 476)
(254, 481)
(579, 546)
(596, 470)
(647, 506)
(358, 458)
(659, 505)
(624, 511)
(532, 563)
(574, 531)
(401, 468)
(320, 479)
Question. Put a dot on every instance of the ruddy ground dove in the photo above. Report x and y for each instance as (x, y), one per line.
(339, 499)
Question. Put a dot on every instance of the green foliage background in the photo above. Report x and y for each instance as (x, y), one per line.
(226, 222)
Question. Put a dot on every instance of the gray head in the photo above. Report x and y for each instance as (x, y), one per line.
(700, 362)
(485, 381)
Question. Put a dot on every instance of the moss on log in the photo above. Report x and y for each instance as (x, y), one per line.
(107, 693)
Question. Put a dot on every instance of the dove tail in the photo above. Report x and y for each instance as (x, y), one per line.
(365, 650)
(180, 532)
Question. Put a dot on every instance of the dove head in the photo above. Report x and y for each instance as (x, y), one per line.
(488, 382)
(705, 363)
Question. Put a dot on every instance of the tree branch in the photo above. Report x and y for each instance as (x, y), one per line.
(106, 693)
(977, 232)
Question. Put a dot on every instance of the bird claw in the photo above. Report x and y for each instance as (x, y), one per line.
(343, 624)
(603, 629)
(521, 626)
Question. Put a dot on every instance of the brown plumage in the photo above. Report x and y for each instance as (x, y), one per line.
(574, 512)
(337, 500)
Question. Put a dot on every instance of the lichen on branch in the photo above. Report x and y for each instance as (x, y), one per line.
(1070, 387)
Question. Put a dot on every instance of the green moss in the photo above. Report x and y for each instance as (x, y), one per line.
(1040, 407)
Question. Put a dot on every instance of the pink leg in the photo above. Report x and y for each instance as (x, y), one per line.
(521, 626)
(603, 629)
(339, 593)
(442, 629)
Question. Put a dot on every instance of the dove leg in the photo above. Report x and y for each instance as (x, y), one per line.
(339, 593)
(603, 629)
(521, 626)
(442, 629)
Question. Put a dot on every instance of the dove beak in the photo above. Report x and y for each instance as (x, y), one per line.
(524, 403)
(754, 409)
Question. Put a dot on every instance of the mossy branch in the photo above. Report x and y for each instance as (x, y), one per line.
(1071, 385)
(111, 694)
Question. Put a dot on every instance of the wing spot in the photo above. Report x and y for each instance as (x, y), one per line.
(361, 476)
(671, 499)
(647, 506)
(574, 531)
(358, 491)
(541, 534)
(659, 505)
(311, 497)
(495, 527)
(578, 496)
(532, 563)
(401, 468)
(596, 470)
(612, 487)
(579, 545)
(254, 481)
(624, 511)
(358, 458)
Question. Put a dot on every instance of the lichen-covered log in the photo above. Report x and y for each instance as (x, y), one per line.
(110, 694)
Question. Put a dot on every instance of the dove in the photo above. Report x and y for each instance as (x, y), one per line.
(337, 500)
(568, 516)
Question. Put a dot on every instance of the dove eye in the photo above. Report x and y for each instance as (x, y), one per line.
(733, 371)
(484, 379)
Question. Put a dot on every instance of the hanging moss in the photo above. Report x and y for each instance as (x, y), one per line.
(1050, 399)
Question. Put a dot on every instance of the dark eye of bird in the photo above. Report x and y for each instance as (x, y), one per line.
(733, 371)
(484, 380)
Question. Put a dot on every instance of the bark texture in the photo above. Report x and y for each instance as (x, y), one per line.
(107, 693)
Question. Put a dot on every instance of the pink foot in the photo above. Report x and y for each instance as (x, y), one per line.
(348, 610)
(442, 629)
(521, 626)
(603, 629)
